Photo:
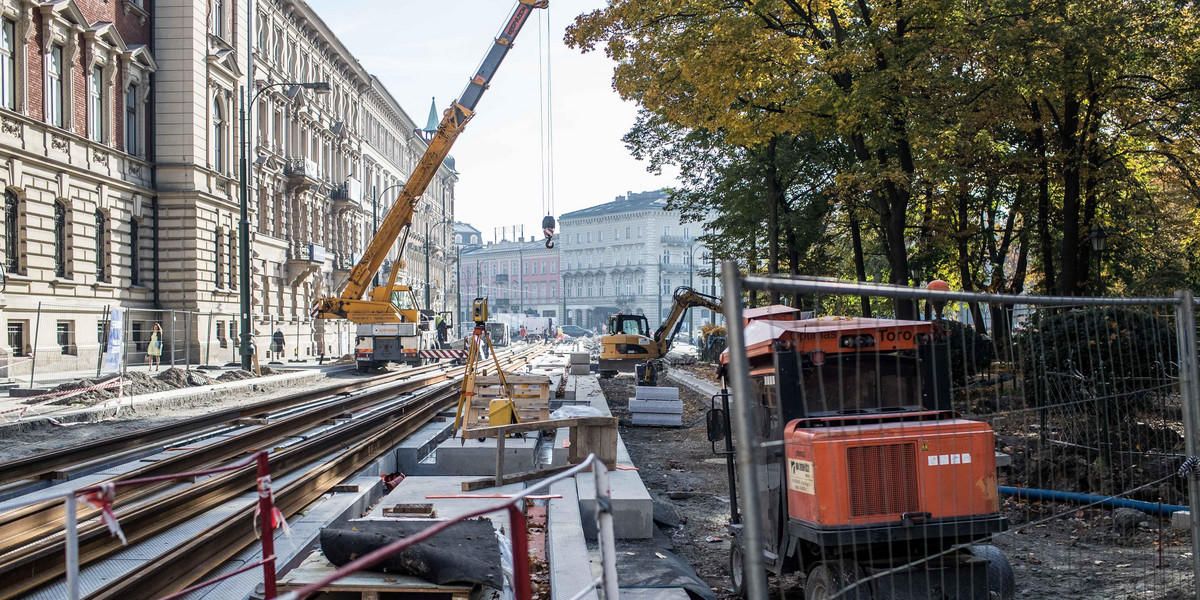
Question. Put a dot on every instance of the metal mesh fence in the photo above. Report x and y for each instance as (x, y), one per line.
(55, 342)
(983, 447)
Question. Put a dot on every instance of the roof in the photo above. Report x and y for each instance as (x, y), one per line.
(767, 311)
(633, 202)
(761, 335)
(431, 124)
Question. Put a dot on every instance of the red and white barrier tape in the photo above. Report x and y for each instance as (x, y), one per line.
(61, 395)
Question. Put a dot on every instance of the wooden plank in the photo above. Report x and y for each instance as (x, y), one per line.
(471, 485)
(547, 424)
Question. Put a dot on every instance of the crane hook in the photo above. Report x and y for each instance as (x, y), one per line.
(548, 229)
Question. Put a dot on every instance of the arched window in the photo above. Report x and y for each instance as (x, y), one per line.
(218, 138)
(101, 247)
(60, 239)
(131, 124)
(458, 238)
(135, 253)
(474, 239)
(12, 233)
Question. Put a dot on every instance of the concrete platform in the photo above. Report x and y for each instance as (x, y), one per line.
(633, 510)
(411, 452)
(414, 490)
(477, 458)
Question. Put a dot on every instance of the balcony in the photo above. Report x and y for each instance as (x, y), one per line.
(678, 240)
(343, 263)
(301, 174)
(626, 300)
(347, 195)
(674, 267)
(500, 278)
(499, 302)
(303, 264)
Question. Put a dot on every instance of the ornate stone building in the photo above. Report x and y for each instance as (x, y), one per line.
(79, 205)
(318, 163)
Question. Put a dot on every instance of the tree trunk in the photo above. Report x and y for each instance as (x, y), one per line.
(860, 265)
(1069, 137)
(774, 199)
(1037, 143)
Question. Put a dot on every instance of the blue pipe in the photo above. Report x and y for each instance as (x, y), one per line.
(1153, 508)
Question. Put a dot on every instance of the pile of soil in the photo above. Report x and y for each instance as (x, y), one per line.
(238, 375)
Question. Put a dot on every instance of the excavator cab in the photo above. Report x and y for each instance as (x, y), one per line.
(620, 324)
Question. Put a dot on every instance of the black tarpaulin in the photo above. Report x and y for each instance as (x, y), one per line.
(465, 553)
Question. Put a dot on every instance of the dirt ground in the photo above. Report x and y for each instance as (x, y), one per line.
(16, 442)
(1076, 554)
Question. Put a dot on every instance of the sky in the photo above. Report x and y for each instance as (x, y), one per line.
(424, 49)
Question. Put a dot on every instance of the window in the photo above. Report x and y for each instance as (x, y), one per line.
(641, 231)
(278, 46)
(95, 106)
(135, 254)
(12, 233)
(666, 260)
(626, 233)
(233, 278)
(60, 239)
(218, 261)
(218, 138)
(641, 285)
(262, 33)
(65, 335)
(54, 86)
(8, 65)
(218, 18)
(101, 247)
(18, 338)
(221, 334)
(666, 230)
(292, 52)
(131, 128)
(599, 236)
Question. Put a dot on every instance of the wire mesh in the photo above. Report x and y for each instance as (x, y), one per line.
(984, 447)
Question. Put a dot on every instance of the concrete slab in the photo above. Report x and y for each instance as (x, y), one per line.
(580, 369)
(477, 458)
(416, 447)
(414, 490)
(580, 358)
(645, 392)
(570, 568)
(1181, 519)
(656, 420)
(668, 407)
(654, 594)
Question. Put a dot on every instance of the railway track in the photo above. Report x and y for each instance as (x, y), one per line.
(32, 549)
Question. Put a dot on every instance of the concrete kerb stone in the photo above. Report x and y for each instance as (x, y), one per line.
(570, 567)
(173, 398)
(669, 407)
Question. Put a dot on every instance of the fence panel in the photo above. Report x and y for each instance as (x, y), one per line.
(1059, 463)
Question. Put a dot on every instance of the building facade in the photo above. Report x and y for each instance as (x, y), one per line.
(324, 167)
(120, 165)
(79, 206)
(518, 276)
(627, 255)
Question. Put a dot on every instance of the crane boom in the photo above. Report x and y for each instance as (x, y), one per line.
(400, 215)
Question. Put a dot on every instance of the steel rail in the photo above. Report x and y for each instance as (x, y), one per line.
(43, 561)
(61, 458)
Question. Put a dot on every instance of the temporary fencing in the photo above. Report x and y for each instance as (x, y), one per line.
(1080, 413)
(104, 495)
(56, 341)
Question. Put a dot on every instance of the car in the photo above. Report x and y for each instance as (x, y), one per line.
(576, 331)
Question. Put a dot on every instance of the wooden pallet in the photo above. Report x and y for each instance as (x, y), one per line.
(368, 584)
(530, 396)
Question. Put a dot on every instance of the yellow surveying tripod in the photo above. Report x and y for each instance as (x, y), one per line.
(501, 411)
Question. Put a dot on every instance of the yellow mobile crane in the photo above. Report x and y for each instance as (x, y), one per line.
(390, 327)
(628, 341)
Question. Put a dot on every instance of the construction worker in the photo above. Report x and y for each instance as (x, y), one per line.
(441, 325)
(523, 332)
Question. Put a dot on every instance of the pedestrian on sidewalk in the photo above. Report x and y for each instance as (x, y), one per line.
(277, 343)
(154, 350)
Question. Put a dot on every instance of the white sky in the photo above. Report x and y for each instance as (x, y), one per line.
(424, 49)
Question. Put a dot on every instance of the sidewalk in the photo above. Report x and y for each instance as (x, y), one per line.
(11, 413)
(52, 379)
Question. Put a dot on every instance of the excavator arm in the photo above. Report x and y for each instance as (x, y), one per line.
(400, 216)
(683, 299)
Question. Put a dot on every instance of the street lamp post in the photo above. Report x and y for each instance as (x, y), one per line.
(244, 227)
(375, 214)
(428, 301)
(1099, 244)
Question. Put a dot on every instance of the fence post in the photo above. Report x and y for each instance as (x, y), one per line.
(519, 530)
(103, 344)
(604, 527)
(172, 339)
(208, 340)
(266, 511)
(1189, 392)
(187, 339)
(37, 327)
(754, 574)
(72, 544)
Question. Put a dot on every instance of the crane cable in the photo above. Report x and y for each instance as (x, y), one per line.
(546, 128)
